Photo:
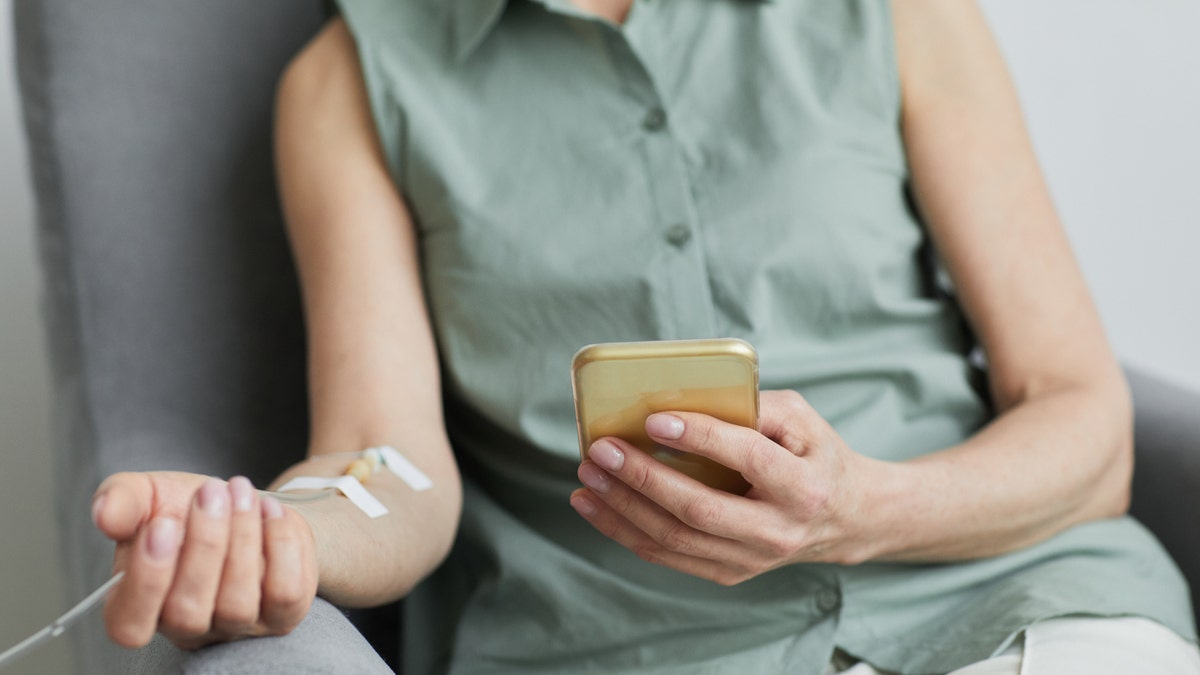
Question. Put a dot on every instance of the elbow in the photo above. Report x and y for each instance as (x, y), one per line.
(1121, 494)
(1118, 411)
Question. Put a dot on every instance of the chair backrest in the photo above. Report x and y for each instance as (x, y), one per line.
(1166, 476)
(174, 315)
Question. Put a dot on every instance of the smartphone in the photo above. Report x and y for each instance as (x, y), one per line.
(618, 385)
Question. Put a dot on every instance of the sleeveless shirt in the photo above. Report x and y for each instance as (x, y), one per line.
(710, 168)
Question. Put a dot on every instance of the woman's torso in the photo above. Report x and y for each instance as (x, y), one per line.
(710, 168)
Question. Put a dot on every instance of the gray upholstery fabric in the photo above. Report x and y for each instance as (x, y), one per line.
(1166, 479)
(325, 642)
(170, 296)
(172, 309)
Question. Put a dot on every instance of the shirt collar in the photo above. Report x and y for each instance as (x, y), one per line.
(472, 20)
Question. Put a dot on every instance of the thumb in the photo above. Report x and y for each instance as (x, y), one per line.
(123, 502)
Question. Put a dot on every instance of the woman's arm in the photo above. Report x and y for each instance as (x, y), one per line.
(1059, 453)
(206, 561)
(1060, 450)
(373, 364)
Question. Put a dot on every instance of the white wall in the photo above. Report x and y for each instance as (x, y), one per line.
(29, 594)
(1112, 97)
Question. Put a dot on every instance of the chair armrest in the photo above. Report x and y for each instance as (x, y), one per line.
(1166, 478)
(325, 642)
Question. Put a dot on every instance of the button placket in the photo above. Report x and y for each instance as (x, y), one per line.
(682, 286)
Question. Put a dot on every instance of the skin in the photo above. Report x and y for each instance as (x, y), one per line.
(1059, 452)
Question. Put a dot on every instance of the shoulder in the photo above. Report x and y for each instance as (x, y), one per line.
(326, 65)
(945, 47)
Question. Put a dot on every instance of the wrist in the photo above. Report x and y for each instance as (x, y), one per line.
(883, 516)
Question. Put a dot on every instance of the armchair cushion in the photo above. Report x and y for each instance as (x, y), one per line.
(1166, 478)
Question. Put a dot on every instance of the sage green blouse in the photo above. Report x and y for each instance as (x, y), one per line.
(709, 168)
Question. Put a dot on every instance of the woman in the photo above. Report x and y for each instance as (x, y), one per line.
(533, 177)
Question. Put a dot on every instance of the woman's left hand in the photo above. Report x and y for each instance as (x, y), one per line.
(807, 502)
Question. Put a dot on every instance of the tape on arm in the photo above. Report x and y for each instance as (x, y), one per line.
(351, 485)
(347, 485)
(404, 469)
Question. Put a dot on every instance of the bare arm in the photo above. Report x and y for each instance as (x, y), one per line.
(1060, 450)
(373, 365)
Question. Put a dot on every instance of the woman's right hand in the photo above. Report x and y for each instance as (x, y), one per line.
(205, 561)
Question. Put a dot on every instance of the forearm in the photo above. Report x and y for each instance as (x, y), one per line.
(369, 561)
(1059, 458)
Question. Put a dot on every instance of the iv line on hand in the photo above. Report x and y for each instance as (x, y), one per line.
(369, 462)
(73, 615)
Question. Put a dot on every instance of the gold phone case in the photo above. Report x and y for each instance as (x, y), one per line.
(619, 384)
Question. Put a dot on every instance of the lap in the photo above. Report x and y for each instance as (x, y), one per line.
(325, 642)
(1084, 646)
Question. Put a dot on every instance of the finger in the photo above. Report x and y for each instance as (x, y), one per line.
(132, 611)
(614, 526)
(688, 500)
(671, 531)
(188, 609)
(289, 583)
(787, 418)
(761, 461)
(239, 594)
(122, 504)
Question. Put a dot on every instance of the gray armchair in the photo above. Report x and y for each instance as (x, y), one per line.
(174, 318)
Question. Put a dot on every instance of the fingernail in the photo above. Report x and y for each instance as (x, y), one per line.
(163, 540)
(583, 505)
(661, 425)
(98, 508)
(213, 498)
(607, 455)
(594, 478)
(271, 508)
(242, 491)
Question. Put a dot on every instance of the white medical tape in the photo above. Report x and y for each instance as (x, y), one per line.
(347, 485)
(404, 469)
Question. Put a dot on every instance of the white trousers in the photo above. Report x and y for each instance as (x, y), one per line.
(1084, 646)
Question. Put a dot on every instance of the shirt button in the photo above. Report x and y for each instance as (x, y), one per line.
(828, 600)
(678, 235)
(655, 119)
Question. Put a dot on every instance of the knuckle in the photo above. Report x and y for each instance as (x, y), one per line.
(781, 546)
(287, 599)
(774, 544)
(128, 635)
(729, 578)
(648, 552)
(184, 618)
(704, 434)
(608, 527)
(677, 538)
(817, 499)
(793, 398)
(207, 540)
(236, 614)
(761, 460)
(287, 616)
(642, 476)
(285, 623)
(702, 513)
